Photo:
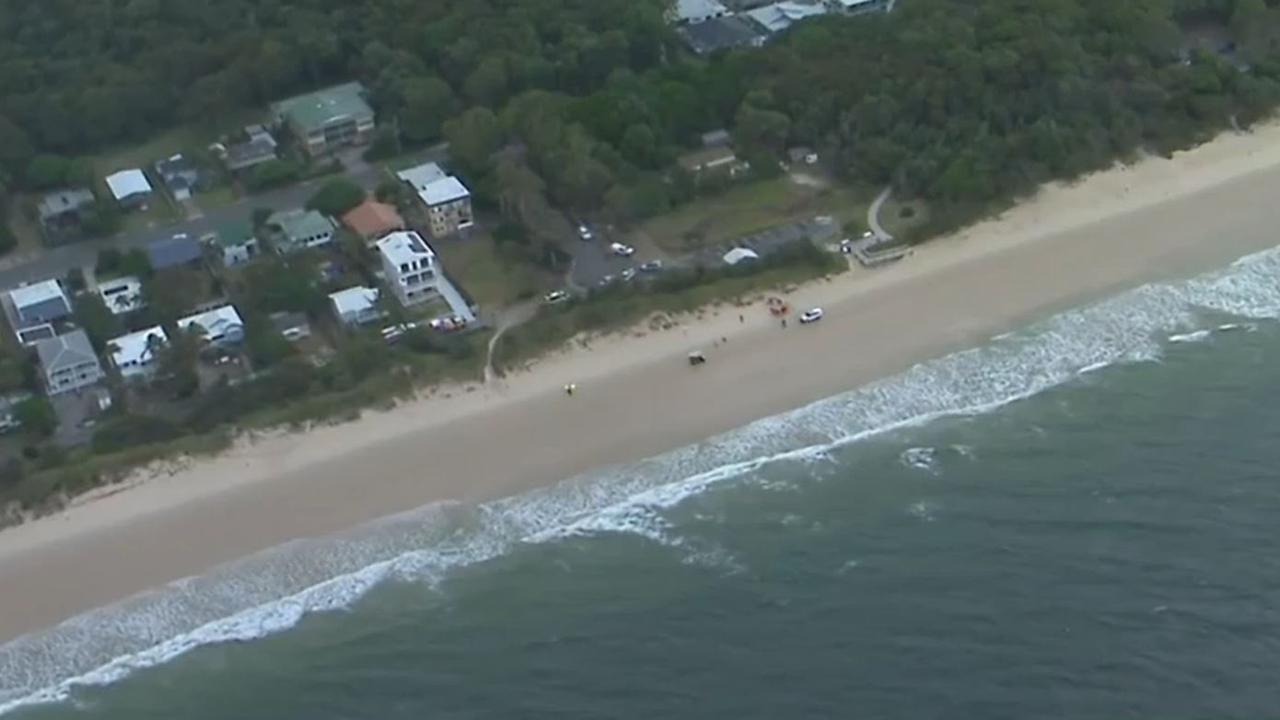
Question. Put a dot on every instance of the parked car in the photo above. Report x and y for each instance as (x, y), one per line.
(606, 281)
(652, 266)
(622, 250)
(628, 275)
(555, 296)
(448, 324)
(584, 233)
(392, 333)
(812, 315)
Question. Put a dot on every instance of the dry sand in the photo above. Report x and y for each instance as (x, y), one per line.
(637, 396)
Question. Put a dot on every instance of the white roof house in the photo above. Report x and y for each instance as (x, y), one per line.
(122, 295)
(36, 294)
(406, 248)
(781, 15)
(221, 325)
(421, 176)
(135, 354)
(737, 255)
(127, 183)
(695, 11)
(356, 305)
(34, 307)
(446, 189)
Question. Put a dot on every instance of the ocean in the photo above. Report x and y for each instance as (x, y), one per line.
(1077, 519)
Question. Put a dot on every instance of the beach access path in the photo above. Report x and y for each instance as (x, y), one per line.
(1161, 218)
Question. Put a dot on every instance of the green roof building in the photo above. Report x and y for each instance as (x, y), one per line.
(325, 120)
(297, 230)
(236, 242)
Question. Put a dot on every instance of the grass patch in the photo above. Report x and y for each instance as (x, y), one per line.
(490, 278)
(751, 208)
(216, 198)
(159, 213)
(623, 306)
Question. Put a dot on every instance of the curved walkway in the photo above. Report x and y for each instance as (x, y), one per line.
(508, 318)
(873, 215)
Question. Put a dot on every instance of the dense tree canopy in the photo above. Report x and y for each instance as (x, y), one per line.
(964, 101)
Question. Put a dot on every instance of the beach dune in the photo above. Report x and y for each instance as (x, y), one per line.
(637, 396)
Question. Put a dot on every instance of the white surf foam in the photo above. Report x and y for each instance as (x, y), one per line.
(272, 591)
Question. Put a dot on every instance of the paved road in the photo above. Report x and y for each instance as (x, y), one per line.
(56, 262)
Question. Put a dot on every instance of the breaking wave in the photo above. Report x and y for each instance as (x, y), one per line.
(272, 591)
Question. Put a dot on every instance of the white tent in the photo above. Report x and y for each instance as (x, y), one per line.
(737, 255)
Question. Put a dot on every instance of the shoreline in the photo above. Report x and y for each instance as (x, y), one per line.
(1155, 220)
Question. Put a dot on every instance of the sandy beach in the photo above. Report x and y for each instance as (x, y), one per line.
(1160, 218)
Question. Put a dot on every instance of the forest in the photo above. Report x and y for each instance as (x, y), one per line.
(963, 102)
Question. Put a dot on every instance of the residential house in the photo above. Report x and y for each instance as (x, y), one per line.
(447, 200)
(372, 220)
(174, 252)
(135, 355)
(236, 243)
(258, 147)
(693, 12)
(721, 33)
(780, 16)
(39, 303)
(296, 230)
(327, 120)
(714, 159)
(68, 363)
(180, 175)
(448, 206)
(60, 211)
(356, 306)
(420, 176)
(292, 326)
(409, 266)
(122, 295)
(130, 188)
(220, 327)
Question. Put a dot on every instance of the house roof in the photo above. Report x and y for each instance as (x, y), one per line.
(136, 347)
(298, 224)
(121, 295)
(706, 157)
(64, 201)
(372, 218)
(175, 166)
(172, 252)
(215, 322)
(36, 293)
(446, 189)
(65, 351)
(421, 176)
(313, 111)
(258, 148)
(721, 33)
(234, 234)
(737, 255)
(698, 9)
(354, 299)
(127, 182)
(405, 247)
(782, 15)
